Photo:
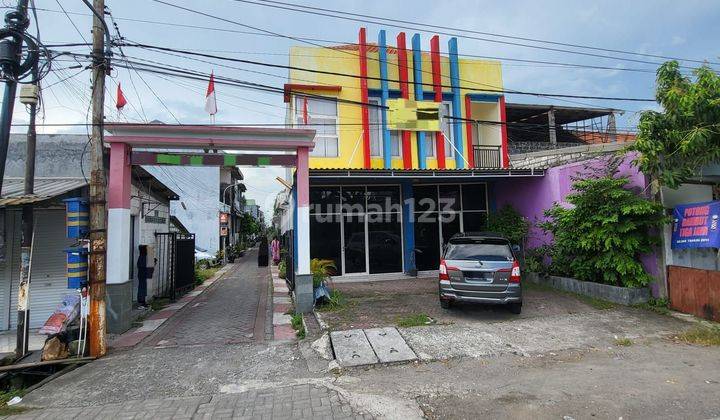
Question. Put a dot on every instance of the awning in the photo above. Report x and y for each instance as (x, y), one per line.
(45, 188)
(425, 173)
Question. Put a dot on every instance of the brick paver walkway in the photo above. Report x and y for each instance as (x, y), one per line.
(304, 401)
(231, 312)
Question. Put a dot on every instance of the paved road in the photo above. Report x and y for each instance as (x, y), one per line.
(233, 310)
(192, 365)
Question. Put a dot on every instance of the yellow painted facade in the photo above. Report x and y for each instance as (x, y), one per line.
(476, 76)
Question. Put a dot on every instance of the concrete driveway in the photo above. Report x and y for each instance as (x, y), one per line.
(550, 321)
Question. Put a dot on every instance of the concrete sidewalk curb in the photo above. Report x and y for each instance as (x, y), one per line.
(282, 328)
(157, 319)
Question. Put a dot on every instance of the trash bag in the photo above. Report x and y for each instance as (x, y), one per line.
(54, 349)
(321, 294)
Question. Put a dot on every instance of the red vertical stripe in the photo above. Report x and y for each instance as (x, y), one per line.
(437, 86)
(364, 98)
(305, 112)
(405, 93)
(469, 132)
(503, 120)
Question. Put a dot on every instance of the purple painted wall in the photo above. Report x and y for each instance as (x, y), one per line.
(532, 196)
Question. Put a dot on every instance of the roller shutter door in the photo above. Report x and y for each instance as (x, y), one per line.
(49, 284)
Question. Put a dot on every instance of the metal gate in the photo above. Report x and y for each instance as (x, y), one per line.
(175, 268)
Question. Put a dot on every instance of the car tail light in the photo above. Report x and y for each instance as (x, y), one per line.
(443, 271)
(515, 273)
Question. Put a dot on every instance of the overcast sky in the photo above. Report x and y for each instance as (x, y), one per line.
(687, 29)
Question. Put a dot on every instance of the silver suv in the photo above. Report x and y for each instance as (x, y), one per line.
(480, 268)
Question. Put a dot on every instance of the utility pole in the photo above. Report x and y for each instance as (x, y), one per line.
(12, 38)
(98, 219)
(28, 96)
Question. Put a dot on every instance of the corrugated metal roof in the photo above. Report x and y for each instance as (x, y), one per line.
(45, 189)
(423, 173)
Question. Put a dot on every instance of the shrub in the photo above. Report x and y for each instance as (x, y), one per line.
(282, 269)
(601, 237)
(321, 270)
(535, 259)
(509, 223)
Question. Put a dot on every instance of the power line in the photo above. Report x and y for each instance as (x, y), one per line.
(350, 43)
(326, 12)
(356, 76)
(319, 45)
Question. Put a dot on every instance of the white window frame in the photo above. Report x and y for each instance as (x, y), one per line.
(379, 130)
(449, 139)
(320, 149)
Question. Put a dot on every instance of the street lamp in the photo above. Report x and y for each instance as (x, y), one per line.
(230, 225)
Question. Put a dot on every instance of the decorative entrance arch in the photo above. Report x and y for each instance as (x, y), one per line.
(188, 145)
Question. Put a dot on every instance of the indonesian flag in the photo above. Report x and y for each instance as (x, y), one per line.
(121, 101)
(210, 99)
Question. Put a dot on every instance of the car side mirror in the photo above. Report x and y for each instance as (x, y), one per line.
(516, 249)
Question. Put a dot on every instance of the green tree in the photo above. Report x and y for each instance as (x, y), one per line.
(675, 143)
(602, 235)
(509, 223)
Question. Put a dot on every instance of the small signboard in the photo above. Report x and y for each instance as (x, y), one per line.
(696, 225)
(223, 218)
(223, 231)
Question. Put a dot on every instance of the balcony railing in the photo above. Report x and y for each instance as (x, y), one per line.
(487, 156)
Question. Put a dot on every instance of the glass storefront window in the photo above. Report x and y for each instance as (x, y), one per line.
(474, 197)
(353, 199)
(383, 199)
(324, 199)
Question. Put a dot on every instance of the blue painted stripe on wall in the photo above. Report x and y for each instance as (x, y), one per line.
(384, 96)
(295, 224)
(483, 97)
(456, 108)
(417, 86)
(394, 94)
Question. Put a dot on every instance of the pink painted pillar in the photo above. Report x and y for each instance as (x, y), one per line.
(303, 211)
(118, 233)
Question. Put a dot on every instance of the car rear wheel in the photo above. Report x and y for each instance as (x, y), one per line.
(515, 308)
(445, 304)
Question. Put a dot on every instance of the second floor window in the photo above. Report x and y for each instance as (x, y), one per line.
(447, 129)
(376, 137)
(322, 116)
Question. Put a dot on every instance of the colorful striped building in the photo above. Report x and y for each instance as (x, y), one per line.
(384, 201)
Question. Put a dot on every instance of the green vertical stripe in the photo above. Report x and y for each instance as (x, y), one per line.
(196, 160)
(263, 160)
(169, 159)
(229, 160)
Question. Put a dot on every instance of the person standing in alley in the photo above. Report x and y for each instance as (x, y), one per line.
(275, 251)
(263, 252)
(142, 273)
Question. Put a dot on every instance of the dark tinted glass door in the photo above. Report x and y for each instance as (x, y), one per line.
(385, 239)
(354, 235)
(322, 228)
(427, 241)
(450, 225)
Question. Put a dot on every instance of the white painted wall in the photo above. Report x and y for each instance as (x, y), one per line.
(198, 206)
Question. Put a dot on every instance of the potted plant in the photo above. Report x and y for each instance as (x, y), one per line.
(321, 270)
(282, 269)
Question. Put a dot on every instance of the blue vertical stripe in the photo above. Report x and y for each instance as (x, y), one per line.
(384, 96)
(295, 226)
(417, 86)
(456, 107)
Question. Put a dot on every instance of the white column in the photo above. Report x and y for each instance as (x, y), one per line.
(303, 209)
(118, 227)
